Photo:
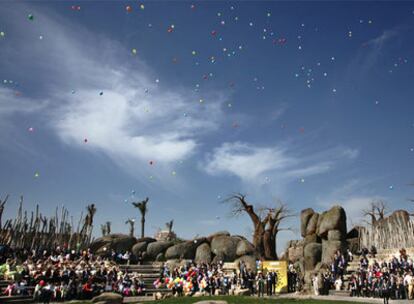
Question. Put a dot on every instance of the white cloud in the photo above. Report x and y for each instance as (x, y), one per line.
(135, 119)
(245, 161)
(250, 163)
(12, 102)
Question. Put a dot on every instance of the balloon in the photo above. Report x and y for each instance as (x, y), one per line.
(142, 6)
(151, 162)
(36, 174)
(128, 8)
(31, 129)
(213, 33)
(134, 51)
(2, 34)
(30, 17)
(85, 140)
(101, 93)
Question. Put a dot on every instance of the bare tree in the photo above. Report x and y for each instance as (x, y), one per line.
(376, 212)
(103, 230)
(2, 203)
(169, 226)
(108, 227)
(131, 223)
(142, 207)
(266, 223)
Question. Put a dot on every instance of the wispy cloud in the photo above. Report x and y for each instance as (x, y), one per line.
(134, 120)
(252, 163)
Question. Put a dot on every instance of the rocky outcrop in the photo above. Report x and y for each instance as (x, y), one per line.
(323, 234)
(225, 247)
(244, 248)
(185, 250)
(249, 261)
(117, 242)
(219, 233)
(312, 255)
(333, 219)
(155, 248)
(329, 249)
(305, 216)
(108, 298)
(203, 254)
(294, 250)
(220, 246)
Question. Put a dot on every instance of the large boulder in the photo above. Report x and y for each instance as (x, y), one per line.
(312, 255)
(155, 248)
(219, 233)
(117, 242)
(225, 247)
(335, 235)
(185, 250)
(244, 247)
(146, 240)
(108, 298)
(249, 261)
(160, 257)
(312, 238)
(242, 292)
(329, 249)
(305, 216)
(177, 263)
(139, 247)
(203, 254)
(312, 225)
(333, 219)
(295, 251)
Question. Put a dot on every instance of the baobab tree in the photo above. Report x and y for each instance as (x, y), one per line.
(376, 212)
(142, 207)
(266, 223)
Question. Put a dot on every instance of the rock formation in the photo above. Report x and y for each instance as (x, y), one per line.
(323, 234)
(217, 247)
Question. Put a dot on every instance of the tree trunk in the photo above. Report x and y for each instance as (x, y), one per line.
(269, 244)
(142, 226)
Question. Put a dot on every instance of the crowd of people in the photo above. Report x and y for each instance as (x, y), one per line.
(211, 279)
(392, 279)
(60, 275)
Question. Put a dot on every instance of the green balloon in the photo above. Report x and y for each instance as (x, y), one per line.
(30, 17)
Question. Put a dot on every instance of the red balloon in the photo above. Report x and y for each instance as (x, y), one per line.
(128, 8)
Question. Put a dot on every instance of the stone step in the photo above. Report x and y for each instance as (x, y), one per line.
(138, 299)
(151, 291)
(16, 299)
(339, 293)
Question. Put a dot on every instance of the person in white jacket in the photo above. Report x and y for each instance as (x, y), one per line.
(315, 282)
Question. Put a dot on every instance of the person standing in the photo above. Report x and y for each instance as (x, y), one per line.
(260, 284)
(315, 282)
(385, 289)
(274, 281)
(269, 283)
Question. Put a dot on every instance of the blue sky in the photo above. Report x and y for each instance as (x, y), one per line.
(309, 103)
